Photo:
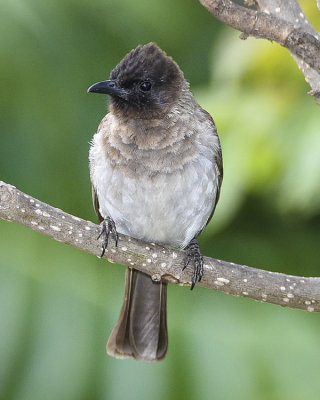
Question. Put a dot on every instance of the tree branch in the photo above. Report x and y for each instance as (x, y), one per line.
(157, 261)
(279, 21)
(291, 11)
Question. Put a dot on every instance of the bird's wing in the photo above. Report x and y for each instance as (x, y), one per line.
(219, 167)
(219, 170)
(96, 204)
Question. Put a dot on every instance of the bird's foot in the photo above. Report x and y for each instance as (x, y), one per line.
(107, 226)
(194, 254)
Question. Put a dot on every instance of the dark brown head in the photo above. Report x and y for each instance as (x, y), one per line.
(145, 84)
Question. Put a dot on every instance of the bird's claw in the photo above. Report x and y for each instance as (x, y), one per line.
(107, 226)
(194, 253)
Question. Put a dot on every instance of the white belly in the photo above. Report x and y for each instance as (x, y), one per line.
(168, 208)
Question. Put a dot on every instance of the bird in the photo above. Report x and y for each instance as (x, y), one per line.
(156, 173)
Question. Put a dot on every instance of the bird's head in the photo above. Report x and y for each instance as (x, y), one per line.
(145, 84)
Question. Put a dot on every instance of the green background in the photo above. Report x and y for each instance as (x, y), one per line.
(58, 305)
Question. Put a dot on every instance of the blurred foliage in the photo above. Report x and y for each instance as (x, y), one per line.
(58, 305)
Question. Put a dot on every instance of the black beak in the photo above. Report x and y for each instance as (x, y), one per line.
(108, 87)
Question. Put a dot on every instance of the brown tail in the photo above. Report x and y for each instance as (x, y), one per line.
(141, 330)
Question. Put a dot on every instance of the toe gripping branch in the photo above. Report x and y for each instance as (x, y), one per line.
(107, 226)
(194, 254)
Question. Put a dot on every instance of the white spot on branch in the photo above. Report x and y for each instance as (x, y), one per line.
(56, 228)
(223, 280)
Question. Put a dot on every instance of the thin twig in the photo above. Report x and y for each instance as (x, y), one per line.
(157, 261)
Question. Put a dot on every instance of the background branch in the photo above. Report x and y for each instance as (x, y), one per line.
(158, 261)
(279, 21)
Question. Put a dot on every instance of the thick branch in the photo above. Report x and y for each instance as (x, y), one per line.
(157, 261)
(303, 42)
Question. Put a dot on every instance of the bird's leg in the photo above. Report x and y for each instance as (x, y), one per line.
(107, 226)
(194, 254)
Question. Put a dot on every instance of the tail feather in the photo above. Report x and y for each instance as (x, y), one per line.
(141, 330)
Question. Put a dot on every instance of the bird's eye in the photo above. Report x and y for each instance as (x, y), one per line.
(145, 86)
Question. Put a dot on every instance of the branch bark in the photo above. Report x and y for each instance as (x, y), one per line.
(158, 261)
(279, 21)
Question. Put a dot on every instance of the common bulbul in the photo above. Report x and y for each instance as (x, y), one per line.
(156, 173)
